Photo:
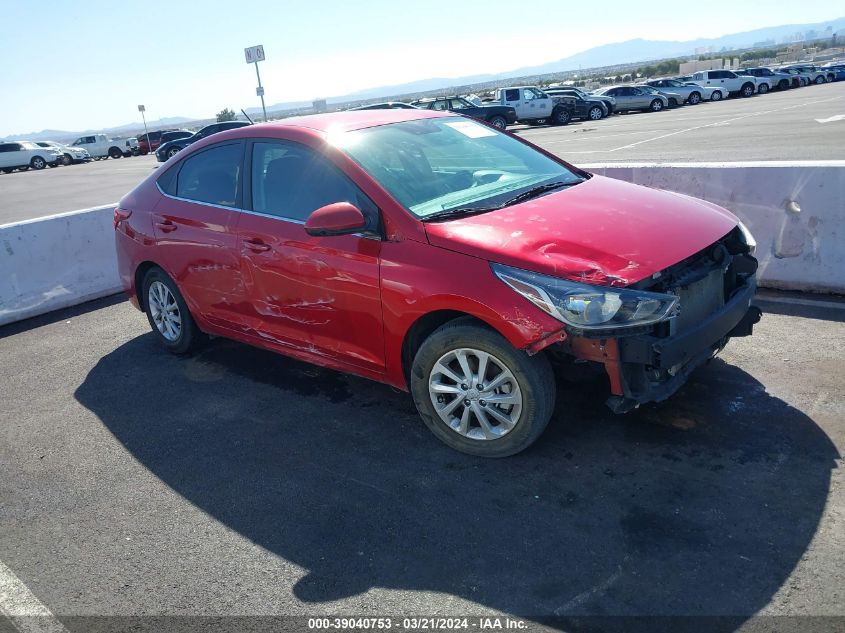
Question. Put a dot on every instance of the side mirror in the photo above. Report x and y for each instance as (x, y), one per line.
(339, 218)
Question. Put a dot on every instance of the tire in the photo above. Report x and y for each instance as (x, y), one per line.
(67, 159)
(716, 96)
(23, 168)
(527, 391)
(747, 90)
(37, 163)
(561, 116)
(820, 80)
(496, 121)
(783, 84)
(8, 170)
(694, 98)
(763, 89)
(115, 152)
(175, 150)
(656, 105)
(595, 113)
(179, 335)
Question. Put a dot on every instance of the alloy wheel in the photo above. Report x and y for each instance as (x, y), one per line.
(475, 394)
(164, 311)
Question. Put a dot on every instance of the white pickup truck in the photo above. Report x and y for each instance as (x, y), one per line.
(533, 105)
(101, 146)
(728, 81)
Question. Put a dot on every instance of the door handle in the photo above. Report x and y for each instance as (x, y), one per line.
(256, 245)
(166, 226)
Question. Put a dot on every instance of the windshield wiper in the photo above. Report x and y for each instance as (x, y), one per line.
(536, 191)
(462, 212)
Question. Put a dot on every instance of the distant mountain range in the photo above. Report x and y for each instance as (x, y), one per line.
(628, 52)
(631, 51)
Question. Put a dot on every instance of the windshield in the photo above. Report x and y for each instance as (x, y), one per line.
(432, 165)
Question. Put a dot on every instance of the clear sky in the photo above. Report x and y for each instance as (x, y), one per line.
(81, 64)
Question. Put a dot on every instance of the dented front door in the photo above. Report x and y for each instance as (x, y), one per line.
(315, 294)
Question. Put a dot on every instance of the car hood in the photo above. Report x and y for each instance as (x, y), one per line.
(602, 231)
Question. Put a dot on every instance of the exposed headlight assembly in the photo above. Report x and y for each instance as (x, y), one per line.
(588, 307)
(750, 242)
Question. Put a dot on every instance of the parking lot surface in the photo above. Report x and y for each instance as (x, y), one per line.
(792, 125)
(32, 194)
(240, 482)
(778, 126)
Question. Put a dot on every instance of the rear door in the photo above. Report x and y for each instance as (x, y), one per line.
(539, 103)
(194, 225)
(319, 295)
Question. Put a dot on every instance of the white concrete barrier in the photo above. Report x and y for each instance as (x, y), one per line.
(796, 211)
(56, 262)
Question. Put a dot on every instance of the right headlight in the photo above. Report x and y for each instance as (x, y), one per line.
(750, 242)
(585, 306)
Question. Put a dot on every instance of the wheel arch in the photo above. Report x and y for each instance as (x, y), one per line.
(138, 280)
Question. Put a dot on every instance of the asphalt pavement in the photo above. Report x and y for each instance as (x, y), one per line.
(238, 482)
(795, 125)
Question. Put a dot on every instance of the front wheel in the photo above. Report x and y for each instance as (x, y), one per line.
(595, 113)
(496, 121)
(67, 159)
(168, 313)
(820, 80)
(561, 116)
(783, 84)
(656, 105)
(114, 152)
(175, 150)
(763, 89)
(694, 98)
(478, 394)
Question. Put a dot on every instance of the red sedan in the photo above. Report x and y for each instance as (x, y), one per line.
(438, 255)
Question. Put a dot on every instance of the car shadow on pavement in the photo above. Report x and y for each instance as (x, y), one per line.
(702, 505)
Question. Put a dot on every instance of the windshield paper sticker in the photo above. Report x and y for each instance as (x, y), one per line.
(470, 129)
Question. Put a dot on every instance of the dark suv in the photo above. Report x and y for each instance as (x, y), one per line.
(157, 138)
(171, 146)
(497, 115)
(591, 107)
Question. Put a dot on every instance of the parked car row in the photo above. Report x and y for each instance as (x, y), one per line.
(24, 155)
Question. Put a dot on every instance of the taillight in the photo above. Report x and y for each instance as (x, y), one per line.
(120, 215)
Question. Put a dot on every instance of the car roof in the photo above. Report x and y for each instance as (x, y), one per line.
(354, 119)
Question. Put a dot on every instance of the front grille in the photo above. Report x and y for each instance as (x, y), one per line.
(698, 300)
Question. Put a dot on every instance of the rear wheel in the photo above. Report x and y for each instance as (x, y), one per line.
(783, 84)
(478, 394)
(763, 89)
(595, 113)
(38, 163)
(168, 314)
(495, 121)
(115, 152)
(67, 159)
(820, 80)
(8, 170)
(656, 105)
(694, 98)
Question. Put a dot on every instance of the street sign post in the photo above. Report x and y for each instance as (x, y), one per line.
(253, 55)
(142, 109)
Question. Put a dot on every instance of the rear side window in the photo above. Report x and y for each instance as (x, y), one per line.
(291, 181)
(512, 95)
(211, 176)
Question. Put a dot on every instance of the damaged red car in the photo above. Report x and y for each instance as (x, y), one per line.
(438, 255)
